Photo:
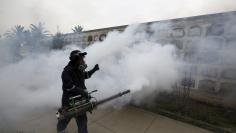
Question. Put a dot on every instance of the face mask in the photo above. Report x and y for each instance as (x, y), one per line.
(82, 67)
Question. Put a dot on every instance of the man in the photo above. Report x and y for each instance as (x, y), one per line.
(73, 83)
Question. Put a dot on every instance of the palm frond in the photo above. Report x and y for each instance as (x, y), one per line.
(77, 29)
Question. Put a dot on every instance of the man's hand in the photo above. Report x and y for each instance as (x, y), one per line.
(90, 73)
(96, 67)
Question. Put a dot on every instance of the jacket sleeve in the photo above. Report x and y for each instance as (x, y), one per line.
(88, 74)
(67, 81)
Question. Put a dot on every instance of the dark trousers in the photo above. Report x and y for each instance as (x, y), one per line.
(81, 121)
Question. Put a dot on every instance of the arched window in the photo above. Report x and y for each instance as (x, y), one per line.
(102, 37)
(178, 32)
(90, 38)
(215, 30)
(194, 31)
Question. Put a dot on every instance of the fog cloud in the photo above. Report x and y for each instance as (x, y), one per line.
(128, 60)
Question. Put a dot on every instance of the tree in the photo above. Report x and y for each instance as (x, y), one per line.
(77, 29)
(19, 39)
(16, 33)
(38, 31)
(16, 38)
(58, 41)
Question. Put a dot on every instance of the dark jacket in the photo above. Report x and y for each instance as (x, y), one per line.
(73, 82)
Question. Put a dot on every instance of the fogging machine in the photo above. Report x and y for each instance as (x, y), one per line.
(80, 105)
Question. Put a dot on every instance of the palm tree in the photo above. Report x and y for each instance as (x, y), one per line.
(77, 29)
(38, 31)
(58, 41)
(16, 33)
(16, 38)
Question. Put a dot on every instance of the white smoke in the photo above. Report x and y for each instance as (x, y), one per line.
(128, 60)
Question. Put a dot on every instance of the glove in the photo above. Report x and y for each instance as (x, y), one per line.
(96, 67)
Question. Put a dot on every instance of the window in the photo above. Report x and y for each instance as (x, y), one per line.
(194, 31)
(178, 32)
(231, 43)
(85, 39)
(96, 38)
(228, 58)
(207, 85)
(215, 30)
(161, 33)
(90, 38)
(214, 43)
(231, 29)
(188, 56)
(227, 88)
(102, 37)
(208, 57)
(209, 72)
(229, 74)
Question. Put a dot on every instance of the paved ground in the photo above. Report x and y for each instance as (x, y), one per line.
(126, 120)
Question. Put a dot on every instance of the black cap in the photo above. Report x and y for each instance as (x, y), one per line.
(76, 53)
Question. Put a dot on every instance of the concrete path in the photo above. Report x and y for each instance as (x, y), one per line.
(126, 120)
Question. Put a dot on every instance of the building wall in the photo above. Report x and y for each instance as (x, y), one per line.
(212, 72)
(89, 37)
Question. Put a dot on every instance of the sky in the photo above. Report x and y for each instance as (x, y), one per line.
(62, 15)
